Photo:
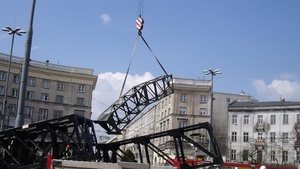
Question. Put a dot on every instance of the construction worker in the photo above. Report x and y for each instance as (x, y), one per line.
(69, 151)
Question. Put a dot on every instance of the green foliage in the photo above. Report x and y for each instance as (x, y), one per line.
(128, 156)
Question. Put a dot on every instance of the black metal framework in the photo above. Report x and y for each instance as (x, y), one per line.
(30, 144)
(112, 150)
(129, 105)
(27, 147)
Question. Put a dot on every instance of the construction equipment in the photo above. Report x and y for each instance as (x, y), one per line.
(132, 103)
(28, 147)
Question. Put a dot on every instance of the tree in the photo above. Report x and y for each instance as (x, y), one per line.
(128, 156)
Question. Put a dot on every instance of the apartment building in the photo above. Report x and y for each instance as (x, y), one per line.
(265, 132)
(220, 116)
(53, 90)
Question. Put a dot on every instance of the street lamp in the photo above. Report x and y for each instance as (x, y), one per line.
(12, 32)
(212, 73)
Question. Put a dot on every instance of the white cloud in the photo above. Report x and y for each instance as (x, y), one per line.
(105, 18)
(282, 87)
(108, 89)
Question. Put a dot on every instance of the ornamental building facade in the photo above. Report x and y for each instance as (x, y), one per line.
(264, 132)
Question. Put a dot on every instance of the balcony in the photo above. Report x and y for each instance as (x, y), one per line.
(297, 143)
(260, 143)
(297, 126)
(264, 127)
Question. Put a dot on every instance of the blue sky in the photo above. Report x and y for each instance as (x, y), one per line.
(255, 43)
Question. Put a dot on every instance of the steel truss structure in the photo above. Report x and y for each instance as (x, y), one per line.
(30, 144)
(129, 105)
(112, 150)
(28, 147)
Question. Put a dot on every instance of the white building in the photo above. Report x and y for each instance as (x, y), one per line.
(269, 131)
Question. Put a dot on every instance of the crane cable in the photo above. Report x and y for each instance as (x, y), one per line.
(153, 54)
(134, 47)
(139, 25)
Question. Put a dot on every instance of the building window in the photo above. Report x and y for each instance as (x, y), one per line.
(234, 119)
(2, 76)
(273, 156)
(46, 84)
(273, 119)
(2, 89)
(57, 114)
(43, 114)
(182, 110)
(246, 119)
(285, 156)
(260, 119)
(233, 136)
(31, 81)
(45, 97)
(30, 95)
(81, 88)
(202, 138)
(17, 79)
(272, 137)
(183, 97)
(15, 93)
(28, 112)
(13, 110)
(59, 99)
(80, 101)
(203, 112)
(245, 155)
(60, 86)
(233, 155)
(182, 124)
(285, 119)
(259, 136)
(203, 99)
(285, 137)
(246, 137)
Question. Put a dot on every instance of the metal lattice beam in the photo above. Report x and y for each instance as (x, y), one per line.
(129, 105)
(180, 139)
(30, 145)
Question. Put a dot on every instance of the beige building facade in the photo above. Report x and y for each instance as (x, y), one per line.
(53, 90)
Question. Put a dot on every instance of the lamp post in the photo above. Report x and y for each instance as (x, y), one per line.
(212, 73)
(12, 32)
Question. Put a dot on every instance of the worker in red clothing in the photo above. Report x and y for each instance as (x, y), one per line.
(69, 151)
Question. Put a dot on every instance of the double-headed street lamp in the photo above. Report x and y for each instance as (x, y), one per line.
(12, 32)
(212, 73)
